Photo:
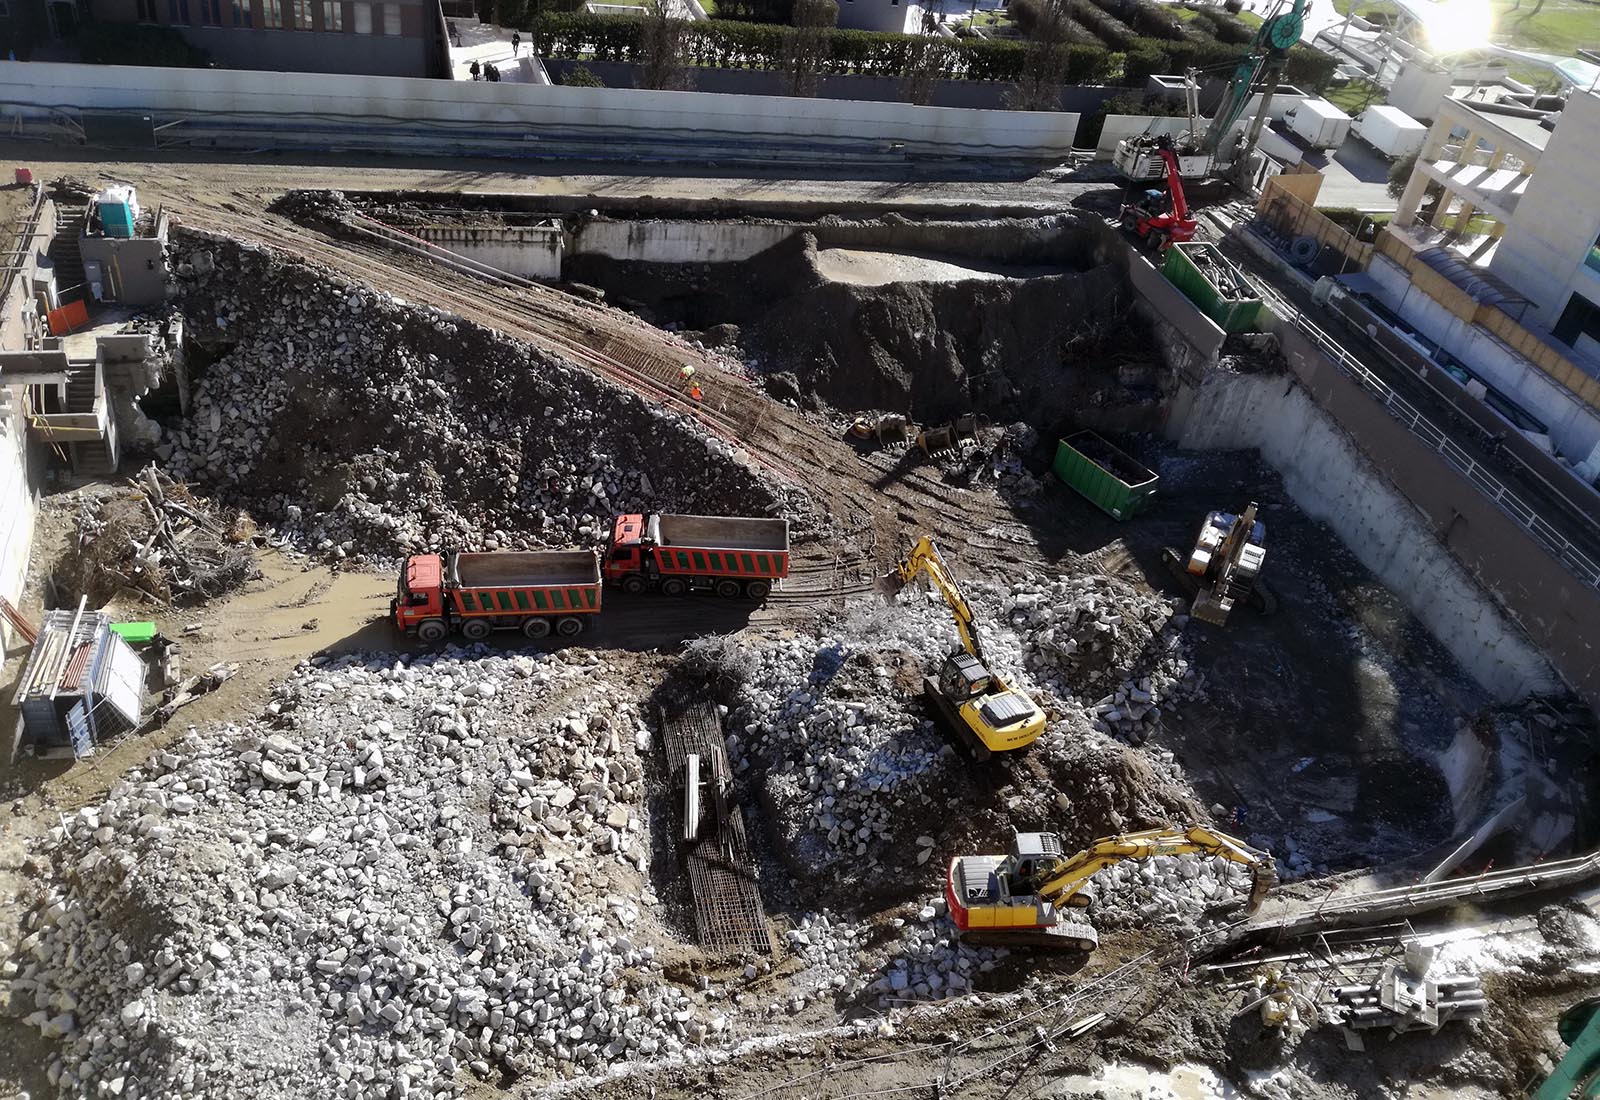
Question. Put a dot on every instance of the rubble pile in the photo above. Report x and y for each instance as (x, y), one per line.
(1187, 890)
(361, 425)
(161, 540)
(401, 869)
(847, 758)
(1097, 637)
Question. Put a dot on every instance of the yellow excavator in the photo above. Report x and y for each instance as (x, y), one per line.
(1017, 899)
(980, 708)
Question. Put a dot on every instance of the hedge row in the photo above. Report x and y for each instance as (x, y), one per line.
(736, 45)
(1110, 30)
(1147, 17)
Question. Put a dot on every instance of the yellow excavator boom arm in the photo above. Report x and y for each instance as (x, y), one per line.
(1072, 874)
(925, 558)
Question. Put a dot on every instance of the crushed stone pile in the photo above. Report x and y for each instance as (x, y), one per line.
(1190, 891)
(1097, 637)
(364, 426)
(401, 869)
(847, 762)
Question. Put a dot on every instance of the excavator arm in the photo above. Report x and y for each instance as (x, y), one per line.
(1060, 883)
(925, 558)
(1180, 203)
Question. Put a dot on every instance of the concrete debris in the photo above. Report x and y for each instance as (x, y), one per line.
(363, 426)
(413, 866)
(1109, 644)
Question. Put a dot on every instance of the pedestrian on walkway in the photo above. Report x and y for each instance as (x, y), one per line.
(475, 69)
(516, 43)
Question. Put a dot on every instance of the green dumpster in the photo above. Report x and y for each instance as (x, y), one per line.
(135, 633)
(1218, 287)
(1111, 479)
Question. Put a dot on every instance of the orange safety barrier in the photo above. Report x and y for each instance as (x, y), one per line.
(73, 315)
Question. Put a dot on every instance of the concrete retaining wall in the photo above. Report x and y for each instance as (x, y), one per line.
(679, 242)
(17, 503)
(534, 252)
(527, 119)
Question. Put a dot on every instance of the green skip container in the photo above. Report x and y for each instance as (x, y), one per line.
(1209, 281)
(1109, 478)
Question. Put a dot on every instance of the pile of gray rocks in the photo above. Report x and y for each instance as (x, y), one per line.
(402, 869)
(1099, 639)
(360, 425)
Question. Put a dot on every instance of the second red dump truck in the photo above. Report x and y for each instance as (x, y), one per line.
(538, 592)
(729, 555)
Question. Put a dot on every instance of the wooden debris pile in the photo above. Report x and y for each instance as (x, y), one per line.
(159, 539)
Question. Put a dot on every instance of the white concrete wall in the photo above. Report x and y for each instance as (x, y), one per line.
(530, 251)
(17, 504)
(1557, 218)
(1332, 481)
(1574, 426)
(1118, 127)
(678, 242)
(374, 102)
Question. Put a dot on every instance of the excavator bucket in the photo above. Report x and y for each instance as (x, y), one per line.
(1263, 877)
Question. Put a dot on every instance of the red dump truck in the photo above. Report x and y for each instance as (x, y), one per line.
(729, 555)
(536, 592)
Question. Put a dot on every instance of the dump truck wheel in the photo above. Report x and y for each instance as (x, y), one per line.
(634, 585)
(432, 630)
(757, 590)
(476, 629)
(674, 586)
(568, 626)
(536, 628)
(728, 590)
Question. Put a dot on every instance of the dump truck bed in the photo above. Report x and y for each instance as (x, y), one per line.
(723, 533)
(524, 569)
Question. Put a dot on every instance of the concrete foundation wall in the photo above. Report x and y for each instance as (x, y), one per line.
(1168, 305)
(527, 114)
(17, 502)
(679, 242)
(530, 251)
(1332, 481)
(133, 271)
(1574, 426)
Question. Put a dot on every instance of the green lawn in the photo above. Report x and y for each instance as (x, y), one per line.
(986, 19)
(1560, 28)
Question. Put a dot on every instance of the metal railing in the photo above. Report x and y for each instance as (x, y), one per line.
(1437, 440)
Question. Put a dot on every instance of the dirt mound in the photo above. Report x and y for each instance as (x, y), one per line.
(1007, 347)
(364, 425)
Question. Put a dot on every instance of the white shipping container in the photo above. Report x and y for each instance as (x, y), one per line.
(1390, 131)
(1319, 124)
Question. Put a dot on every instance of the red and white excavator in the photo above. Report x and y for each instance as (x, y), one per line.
(1154, 221)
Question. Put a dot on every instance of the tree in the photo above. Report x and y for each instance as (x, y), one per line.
(1044, 66)
(924, 64)
(1538, 6)
(580, 76)
(806, 45)
(1400, 174)
(663, 49)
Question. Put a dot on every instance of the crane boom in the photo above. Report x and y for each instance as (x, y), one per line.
(1180, 202)
(925, 558)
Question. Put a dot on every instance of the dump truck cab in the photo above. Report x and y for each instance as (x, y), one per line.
(625, 555)
(420, 593)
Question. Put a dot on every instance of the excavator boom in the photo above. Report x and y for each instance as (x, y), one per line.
(925, 558)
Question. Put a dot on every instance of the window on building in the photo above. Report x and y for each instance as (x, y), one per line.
(211, 12)
(391, 19)
(178, 11)
(361, 18)
(272, 14)
(333, 15)
(147, 11)
(243, 15)
(1580, 318)
(302, 15)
